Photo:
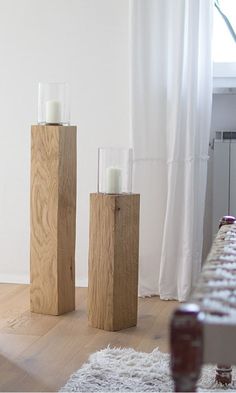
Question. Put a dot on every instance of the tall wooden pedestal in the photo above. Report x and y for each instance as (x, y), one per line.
(53, 214)
(113, 261)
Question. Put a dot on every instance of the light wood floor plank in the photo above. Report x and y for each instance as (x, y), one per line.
(40, 352)
(12, 345)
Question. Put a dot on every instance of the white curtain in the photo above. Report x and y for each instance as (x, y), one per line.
(171, 110)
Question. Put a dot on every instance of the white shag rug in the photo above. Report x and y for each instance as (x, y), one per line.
(125, 370)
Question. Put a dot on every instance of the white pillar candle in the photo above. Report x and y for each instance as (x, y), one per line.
(113, 180)
(53, 112)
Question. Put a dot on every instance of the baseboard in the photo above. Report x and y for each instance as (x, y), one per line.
(24, 279)
(83, 283)
(14, 279)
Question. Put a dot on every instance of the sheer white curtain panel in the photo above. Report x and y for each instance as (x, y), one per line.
(171, 111)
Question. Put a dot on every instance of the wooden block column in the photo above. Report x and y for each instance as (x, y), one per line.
(113, 261)
(53, 215)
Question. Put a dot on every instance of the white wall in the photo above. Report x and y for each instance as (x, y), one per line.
(84, 42)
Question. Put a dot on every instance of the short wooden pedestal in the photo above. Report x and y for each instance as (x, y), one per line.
(113, 261)
(53, 214)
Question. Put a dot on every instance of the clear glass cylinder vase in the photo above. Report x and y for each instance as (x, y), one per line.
(115, 170)
(53, 103)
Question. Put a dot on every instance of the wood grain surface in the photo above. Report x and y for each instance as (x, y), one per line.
(113, 261)
(53, 213)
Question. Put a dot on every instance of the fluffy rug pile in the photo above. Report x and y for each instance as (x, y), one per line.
(125, 370)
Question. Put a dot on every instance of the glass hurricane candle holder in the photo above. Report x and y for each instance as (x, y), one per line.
(115, 170)
(53, 103)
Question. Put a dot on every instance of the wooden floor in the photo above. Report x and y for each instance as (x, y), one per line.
(39, 352)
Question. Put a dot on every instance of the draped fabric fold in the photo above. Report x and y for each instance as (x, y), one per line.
(171, 112)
